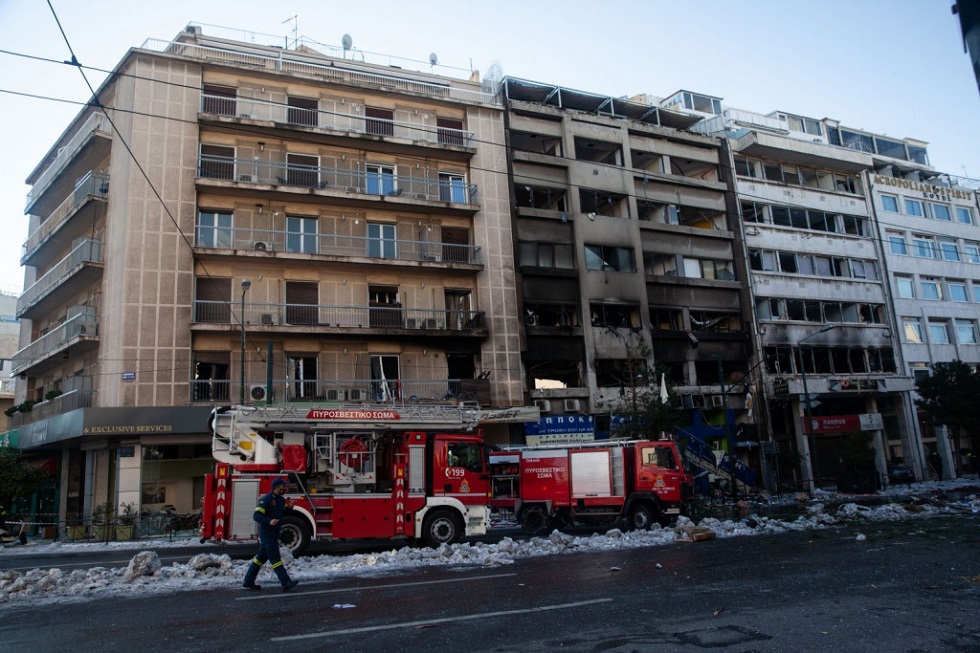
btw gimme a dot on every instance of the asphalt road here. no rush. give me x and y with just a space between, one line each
910 586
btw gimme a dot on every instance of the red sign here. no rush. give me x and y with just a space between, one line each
353 415
834 424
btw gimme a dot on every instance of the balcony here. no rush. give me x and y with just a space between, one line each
341 319
63 403
78 333
376 249
348 391
95 130
336 181
82 266
349 73
330 122
72 219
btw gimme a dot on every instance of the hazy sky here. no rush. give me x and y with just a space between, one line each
894 67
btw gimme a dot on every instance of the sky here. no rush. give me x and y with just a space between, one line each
207 571
892 67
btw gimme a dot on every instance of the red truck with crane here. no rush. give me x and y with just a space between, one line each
551 486
416 472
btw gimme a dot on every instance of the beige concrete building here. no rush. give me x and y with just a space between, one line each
250 223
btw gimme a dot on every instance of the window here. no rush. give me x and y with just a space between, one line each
939 332
211 300
302 170
940 212
301 235
914 207
614 315
897 244
923 246
948 249
386 310
301 370
912 329
773 171
450 131
889 203
452 188
381 240
213 229
931 289
217 162
302 298
966 332
905 288
957 291
599 257
976 290
546 255
380 122
745 167
219 99
380 179
964 215
302 111
971 252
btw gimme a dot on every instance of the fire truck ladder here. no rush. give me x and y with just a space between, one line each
234 441
406 417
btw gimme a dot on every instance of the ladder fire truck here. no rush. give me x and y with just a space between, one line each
552 486
361 471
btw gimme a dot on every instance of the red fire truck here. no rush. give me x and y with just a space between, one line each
551 486
357 471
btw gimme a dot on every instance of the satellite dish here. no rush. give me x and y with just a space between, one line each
347 42
433 59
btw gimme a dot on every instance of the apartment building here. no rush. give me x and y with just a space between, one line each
9 332
250 223
825 324
928 224
626 259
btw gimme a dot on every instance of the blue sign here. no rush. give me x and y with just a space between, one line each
560 429
129 376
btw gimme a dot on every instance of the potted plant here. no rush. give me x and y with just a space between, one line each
102 521
126 527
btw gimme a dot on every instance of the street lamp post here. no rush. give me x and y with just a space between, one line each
808 407
246 284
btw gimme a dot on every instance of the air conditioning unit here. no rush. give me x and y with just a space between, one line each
356 395
263 246
411 323
530 318
573 406
717 401
250 179
543 405
270 319
333 394
257 393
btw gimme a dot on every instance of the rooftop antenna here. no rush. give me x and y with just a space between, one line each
347 42
295 20
433 59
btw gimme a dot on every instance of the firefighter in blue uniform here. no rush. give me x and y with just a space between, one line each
268 514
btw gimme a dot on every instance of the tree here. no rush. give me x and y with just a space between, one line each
644 413
949 397
17 478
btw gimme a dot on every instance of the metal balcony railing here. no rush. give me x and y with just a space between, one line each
345 72
256 171
82 321
345 317
97 122
271 240
93 184
328 120
86 252
372 391
59 405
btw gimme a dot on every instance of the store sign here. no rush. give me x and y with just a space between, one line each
845 423
780 387
560 429
930 191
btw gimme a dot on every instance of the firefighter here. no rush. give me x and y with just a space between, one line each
268 514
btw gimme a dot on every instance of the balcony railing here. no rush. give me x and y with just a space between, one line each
270 240
97 122
346 72
85 253
328 120
255 171
93 184
372 391
61 404
345 317
82 321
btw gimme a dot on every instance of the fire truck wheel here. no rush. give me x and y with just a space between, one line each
442 527
641 517
534 521
294 534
